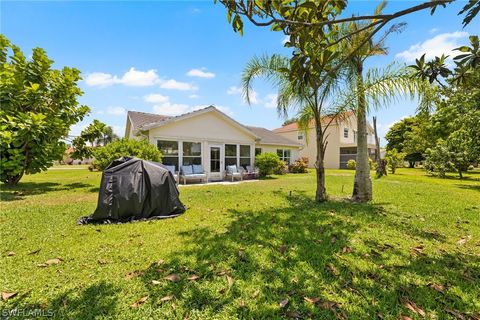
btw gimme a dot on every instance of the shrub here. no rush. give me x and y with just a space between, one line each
305 160
282 168
351 164
394 159
372 164
299 166
267 163
470 167
141 149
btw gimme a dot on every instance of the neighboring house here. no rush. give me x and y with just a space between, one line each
208 137
341 138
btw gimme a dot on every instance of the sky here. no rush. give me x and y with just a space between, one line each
172 57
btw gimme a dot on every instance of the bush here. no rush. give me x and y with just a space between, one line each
268 163
372 164
141 149
282 168
394 159
351 164
299 166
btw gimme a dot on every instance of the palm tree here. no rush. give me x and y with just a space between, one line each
359 47
295 93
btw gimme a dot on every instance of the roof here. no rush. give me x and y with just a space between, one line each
146 121
270 137
326 119
139 119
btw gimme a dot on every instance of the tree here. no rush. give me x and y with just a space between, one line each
306 97
404 135
97 133
141 149
38 106
394 159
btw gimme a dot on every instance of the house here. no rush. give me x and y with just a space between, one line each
341 139
208 137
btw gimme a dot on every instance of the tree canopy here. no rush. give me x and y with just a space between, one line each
39 104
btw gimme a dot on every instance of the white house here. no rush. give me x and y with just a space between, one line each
208 137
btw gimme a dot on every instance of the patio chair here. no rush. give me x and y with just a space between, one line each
252 172
193 172
233 172
172 170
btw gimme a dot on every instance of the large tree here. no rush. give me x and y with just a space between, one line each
38 106
304 93
96 134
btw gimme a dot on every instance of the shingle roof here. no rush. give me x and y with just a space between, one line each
139 119
270 137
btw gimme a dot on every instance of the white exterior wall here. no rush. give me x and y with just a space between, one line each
294 151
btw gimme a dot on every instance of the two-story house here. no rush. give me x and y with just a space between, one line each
341 139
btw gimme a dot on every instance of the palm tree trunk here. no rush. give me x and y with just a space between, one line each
362 187
321 194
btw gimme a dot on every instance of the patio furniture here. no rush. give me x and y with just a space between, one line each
174 173
251 172
233 172
193 172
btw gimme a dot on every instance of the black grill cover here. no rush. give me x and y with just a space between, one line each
134 189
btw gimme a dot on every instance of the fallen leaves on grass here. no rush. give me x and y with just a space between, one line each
8 295
282 249
140 301
193 277
242 304
102 261
49 262
10 254
35 251
437 287
334 239
293 314
229 281
418 250
156 282
330 267
311 300
463 240
283 303
412 306
166 298
455 313
172 277
402 317
347 250
133 274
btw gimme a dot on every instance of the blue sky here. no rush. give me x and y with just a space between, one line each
172 57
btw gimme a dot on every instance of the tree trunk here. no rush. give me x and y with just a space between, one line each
13 180
321 194
362 187
381 169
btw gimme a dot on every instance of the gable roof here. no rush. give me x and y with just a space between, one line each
139 119
325 119
270 137
146 121
196 113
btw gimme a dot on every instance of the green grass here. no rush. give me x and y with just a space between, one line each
252 245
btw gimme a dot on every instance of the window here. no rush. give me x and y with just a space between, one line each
284 155
169 150
230 154
300 136
354 136
345 132
192 153
258 151
245 158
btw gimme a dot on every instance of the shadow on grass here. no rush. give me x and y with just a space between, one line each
94 302
475 187
303 250
24 189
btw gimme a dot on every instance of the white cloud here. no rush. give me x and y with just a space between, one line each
171 109
201 73
132 78
77 128
155 98
116 111
434 30
99 79
177 85
118 130
440 44
271 100
233 90
254 97
193 96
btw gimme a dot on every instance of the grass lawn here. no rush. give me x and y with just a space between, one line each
252 251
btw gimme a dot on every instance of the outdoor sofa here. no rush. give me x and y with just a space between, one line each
193 172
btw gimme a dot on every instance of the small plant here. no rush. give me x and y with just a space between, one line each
394 159
299 166
268 163
282 168
351 164
372 164
141 149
